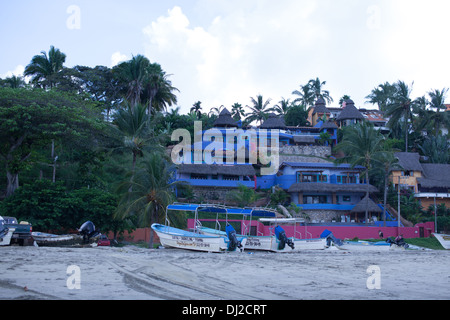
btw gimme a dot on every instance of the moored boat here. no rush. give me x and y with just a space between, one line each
444 240
182 239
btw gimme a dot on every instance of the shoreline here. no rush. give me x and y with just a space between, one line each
132 273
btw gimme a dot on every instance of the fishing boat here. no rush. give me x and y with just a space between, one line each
182 239
194 240
5 233
444 240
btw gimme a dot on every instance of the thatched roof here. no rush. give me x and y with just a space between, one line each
362 206
350 112
328 125
409 161
435 176
330 187
320 107
214 169
274 122
225 120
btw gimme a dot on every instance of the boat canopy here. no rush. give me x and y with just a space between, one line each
259 212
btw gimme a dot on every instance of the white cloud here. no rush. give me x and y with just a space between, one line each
117 58
271 47
18 71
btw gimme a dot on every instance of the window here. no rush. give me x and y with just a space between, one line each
315 199
346 198
197 176
311 177
230 177
346 179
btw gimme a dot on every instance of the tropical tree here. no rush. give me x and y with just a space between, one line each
152 191
297 115
439 116
400 107
146 83
317 87
282 107
384 162
360 144
258 109
237 111
13 82
437 149
306 95
197 109
42 67
132 122
381 95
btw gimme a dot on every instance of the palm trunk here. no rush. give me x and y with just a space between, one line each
367 195
386 182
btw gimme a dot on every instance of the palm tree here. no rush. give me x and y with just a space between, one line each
152 191
42 67
381 95
360 144
400 108
306 95
237 111
282 107
437 149
258 109
439 115
197 109
146 83
384 162
132 122
317 87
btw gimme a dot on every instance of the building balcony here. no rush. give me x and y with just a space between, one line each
218 183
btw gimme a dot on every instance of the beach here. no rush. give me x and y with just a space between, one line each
133 273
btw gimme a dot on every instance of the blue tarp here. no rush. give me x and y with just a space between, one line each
212 209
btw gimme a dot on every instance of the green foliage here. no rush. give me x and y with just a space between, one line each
48 207
243 196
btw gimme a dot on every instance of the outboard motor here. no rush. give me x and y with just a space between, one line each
331 238
400 243
284 240
87 230
234 242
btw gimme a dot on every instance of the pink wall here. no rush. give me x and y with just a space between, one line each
342 232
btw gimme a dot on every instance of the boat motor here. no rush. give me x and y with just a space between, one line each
88 231
234 242
400 242
331 238
281 236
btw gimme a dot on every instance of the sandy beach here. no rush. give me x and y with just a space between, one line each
132 273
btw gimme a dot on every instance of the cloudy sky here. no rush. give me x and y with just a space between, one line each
224 51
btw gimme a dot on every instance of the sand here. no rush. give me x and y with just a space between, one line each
131 273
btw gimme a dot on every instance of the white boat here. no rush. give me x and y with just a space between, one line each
367 246
5 238
274 243
444 240
181 239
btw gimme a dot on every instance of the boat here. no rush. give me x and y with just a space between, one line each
444 240
177 238
278 242
6 233
87 235
194 240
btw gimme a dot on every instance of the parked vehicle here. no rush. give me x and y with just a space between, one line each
103 241
22 233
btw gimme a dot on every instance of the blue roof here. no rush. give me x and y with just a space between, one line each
214 209
320 165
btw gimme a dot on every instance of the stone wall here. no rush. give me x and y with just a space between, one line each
304 153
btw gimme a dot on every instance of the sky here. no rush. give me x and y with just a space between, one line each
221 52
